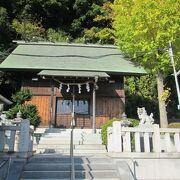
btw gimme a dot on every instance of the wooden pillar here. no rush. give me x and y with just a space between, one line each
51 104
73 109
94 109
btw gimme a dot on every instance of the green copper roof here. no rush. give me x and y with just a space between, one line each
56 56
72 73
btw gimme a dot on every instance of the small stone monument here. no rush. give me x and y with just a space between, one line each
125 122
18 119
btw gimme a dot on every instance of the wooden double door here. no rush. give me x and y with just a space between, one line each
64 110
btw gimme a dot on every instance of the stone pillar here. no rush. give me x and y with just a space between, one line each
12 141
117 134
177 142
2 139
109 139
16 145
137 142
127 142
168 142
24 136
156 139
146 142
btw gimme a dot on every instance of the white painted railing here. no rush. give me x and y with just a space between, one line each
16 138
142 139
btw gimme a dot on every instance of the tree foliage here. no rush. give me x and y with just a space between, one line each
143 29
145 25
29 111
70 17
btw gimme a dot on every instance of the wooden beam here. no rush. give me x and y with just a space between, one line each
51 104
94 109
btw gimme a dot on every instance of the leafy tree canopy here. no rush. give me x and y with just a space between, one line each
146 25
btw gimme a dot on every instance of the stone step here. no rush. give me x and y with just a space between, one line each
67 151
64 141
56 158
68 138
107 174
75 146
60 136
76 179
61 130
51 166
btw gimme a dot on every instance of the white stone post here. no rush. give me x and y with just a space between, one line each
2 140
109 139
168 142
24 136
177 142
156 139
16 146
117 142
146 142
137 142
12 140
127 143
31 141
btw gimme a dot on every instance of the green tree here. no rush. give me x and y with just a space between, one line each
4 29
34 31
29 111
145 25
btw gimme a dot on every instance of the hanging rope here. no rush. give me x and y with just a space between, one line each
71 84
63 83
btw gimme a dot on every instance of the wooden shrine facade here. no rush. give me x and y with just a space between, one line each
52 70
55 106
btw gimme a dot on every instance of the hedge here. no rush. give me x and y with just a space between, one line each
109 123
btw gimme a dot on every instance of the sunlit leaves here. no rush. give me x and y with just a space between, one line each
143 25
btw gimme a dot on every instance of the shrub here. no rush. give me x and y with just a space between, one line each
109 123
174 125
29 111
21 96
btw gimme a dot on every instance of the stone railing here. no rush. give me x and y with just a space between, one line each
141 139
16 139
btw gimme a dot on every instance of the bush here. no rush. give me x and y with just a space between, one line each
109 123
29 111
174 125
21 96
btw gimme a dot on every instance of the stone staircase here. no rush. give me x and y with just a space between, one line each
91 161
54 167
58 141
52 160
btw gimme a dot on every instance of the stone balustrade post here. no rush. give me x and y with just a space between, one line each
2 140
146 142
137 142
31 139
127 142
117 142
156 139
168 142
177 142
16 145
109 139
24 136
12 140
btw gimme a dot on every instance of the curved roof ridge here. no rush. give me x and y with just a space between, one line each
65 44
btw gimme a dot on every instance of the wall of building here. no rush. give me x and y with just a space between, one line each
110 100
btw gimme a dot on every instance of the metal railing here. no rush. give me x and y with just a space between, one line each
72 156
71 140
4 168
